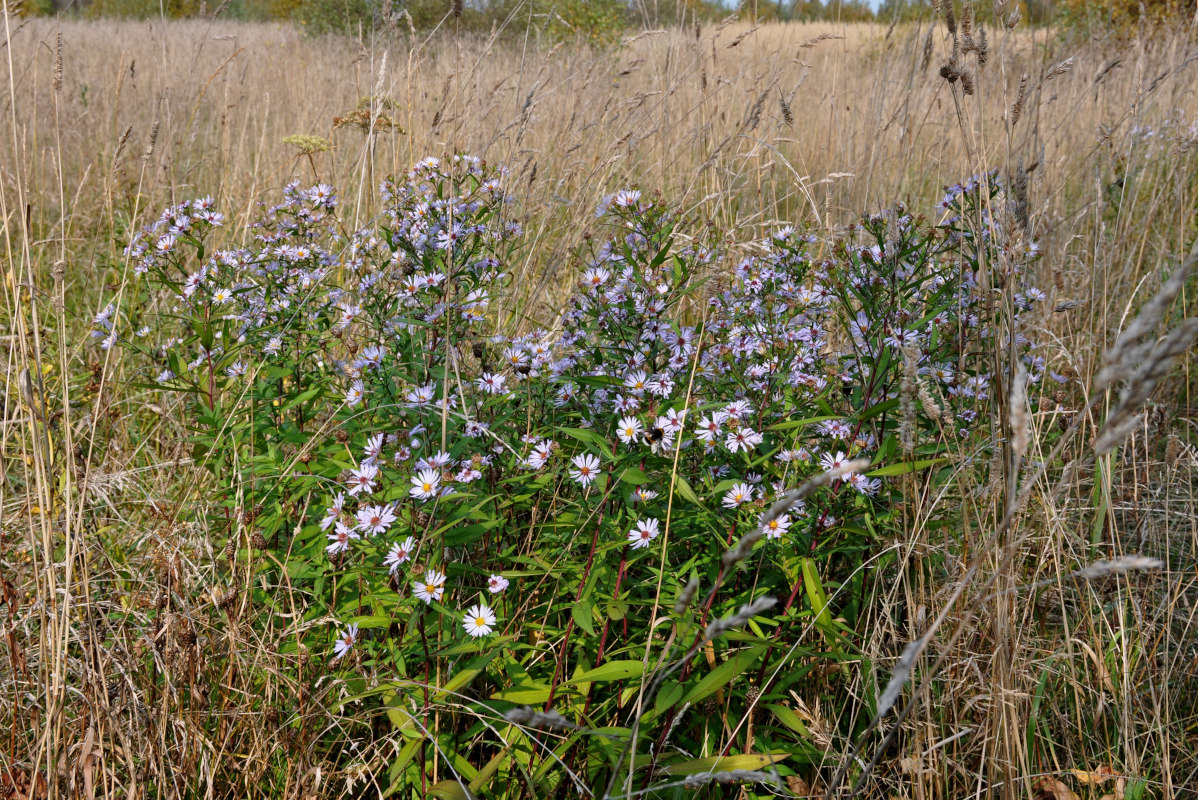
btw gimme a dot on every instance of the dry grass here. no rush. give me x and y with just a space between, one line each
741 126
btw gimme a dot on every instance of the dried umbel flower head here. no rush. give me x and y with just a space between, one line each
307 145
376 113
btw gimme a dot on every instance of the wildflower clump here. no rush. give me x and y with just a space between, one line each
502 510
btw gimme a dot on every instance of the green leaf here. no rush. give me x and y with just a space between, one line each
879 409
722 675
799 423
611 671
790 719
468 673
684 488
449 790
905 467
635 476
746 761
581 611
525 695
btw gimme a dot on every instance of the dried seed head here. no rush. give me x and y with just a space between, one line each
457 8
547 720
149 151
907 396
788 117
58 64
1017 107
687 596
258 541
1059 68
1021 427
1019 201
120 147
966 81
1172 449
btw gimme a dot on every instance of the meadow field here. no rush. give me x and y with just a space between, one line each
736 411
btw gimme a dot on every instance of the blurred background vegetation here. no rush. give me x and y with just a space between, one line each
605 21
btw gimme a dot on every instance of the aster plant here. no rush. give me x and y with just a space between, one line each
593 519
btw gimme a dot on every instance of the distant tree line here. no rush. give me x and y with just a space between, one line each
605 21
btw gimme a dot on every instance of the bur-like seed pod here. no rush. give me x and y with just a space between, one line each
966 81
1172 449
458 6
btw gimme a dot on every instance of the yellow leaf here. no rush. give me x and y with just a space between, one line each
1095 778
748 761
1048 788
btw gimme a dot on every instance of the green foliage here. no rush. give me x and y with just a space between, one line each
1089 18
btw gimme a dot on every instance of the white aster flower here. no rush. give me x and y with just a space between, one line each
629 430
346 641
431 586
479 620
399 553
739 494
425 484
586 469
646 531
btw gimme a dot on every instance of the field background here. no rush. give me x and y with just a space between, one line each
106 121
